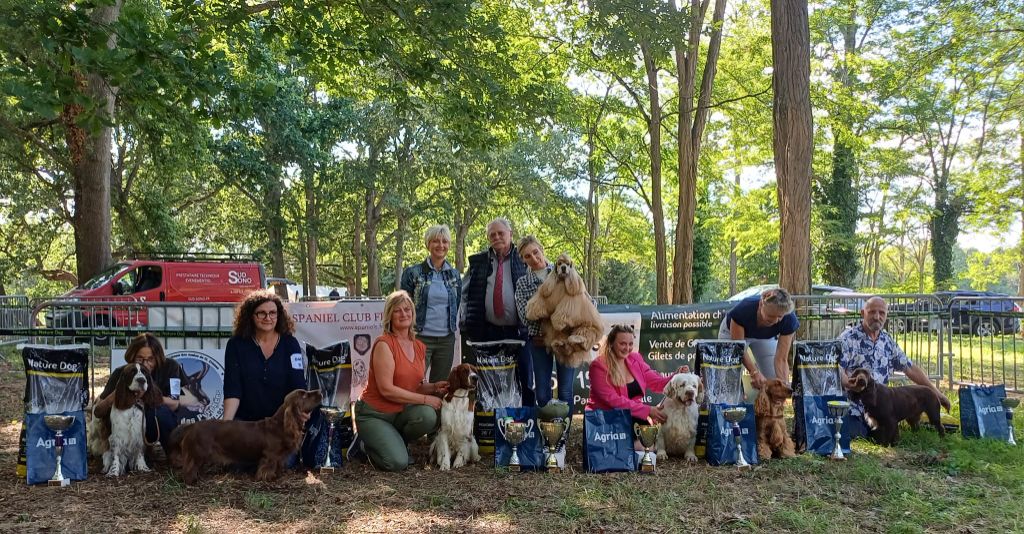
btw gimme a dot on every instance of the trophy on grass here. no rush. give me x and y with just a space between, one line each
515 433
648 436
1009 404
838 409
333 415
734 415
58 423
553 426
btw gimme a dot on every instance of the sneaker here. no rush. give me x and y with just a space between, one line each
356 453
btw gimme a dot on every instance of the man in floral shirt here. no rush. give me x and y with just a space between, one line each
868 346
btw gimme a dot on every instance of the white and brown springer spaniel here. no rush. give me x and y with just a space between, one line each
122 438
678 435
454 446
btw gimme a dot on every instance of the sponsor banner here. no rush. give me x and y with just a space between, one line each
201 388
665 335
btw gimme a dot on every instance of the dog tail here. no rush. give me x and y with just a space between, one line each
944 402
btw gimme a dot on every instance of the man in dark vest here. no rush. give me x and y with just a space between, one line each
488 291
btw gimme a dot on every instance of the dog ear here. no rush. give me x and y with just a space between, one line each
574 283
670 388
762 405
700 391
292 417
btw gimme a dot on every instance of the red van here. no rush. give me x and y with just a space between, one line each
175 278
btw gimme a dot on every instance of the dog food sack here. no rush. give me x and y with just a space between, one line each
721 445
981 412
816 381
331 369
531 450
56 382
719 364
496 385
608 441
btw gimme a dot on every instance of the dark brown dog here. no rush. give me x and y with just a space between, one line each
885 407
215 442
771 426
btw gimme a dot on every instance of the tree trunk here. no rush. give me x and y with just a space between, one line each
461 231
312 231
657 207
274 223
943 226
839 253
793 139
357 255
1020 200
370 240
403 229
593 215
690 131
732 251
90 161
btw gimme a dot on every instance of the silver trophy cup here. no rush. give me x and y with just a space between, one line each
734 415
332 415
58 423
1009 404
838 409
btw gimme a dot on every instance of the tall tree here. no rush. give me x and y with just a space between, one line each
691 120
793 139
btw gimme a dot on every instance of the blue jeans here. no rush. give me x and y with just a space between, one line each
542 362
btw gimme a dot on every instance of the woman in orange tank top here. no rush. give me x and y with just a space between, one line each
397 406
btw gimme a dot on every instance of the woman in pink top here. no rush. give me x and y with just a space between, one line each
619 377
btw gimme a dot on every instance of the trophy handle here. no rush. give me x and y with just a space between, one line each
529 426
501 427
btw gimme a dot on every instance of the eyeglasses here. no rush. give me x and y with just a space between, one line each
261 315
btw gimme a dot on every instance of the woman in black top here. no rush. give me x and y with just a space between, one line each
167 375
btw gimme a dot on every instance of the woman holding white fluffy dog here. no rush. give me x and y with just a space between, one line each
533 254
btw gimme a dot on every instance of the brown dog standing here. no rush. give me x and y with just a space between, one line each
885 407
772 436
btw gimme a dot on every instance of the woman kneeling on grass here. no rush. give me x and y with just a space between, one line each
397 406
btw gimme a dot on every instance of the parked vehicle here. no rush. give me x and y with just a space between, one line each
982 313
161 278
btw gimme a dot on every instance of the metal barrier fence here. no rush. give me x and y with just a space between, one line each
110 325
15 314
984 334
827 316
962 339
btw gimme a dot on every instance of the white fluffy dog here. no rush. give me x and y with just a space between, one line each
683 395
568 317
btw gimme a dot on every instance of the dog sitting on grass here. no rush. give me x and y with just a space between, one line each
885 407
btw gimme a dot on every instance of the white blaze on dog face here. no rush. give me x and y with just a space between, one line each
139 382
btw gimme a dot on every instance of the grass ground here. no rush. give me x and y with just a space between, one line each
923 485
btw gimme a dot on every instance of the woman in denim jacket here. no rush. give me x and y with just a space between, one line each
436 290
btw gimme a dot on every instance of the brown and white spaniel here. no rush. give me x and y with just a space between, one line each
268 443
772 436
121 436
454 445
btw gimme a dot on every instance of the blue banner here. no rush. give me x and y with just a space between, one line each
608 441
721 447
41 453
981 412
531 450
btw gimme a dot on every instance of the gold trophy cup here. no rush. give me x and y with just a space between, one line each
648 436
552 432
514 433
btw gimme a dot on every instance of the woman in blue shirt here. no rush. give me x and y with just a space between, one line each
436 291
263 361
767 323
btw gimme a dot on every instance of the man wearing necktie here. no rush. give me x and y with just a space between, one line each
488 291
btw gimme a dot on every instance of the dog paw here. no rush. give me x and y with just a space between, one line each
662 456
576 340
558 343
691 457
